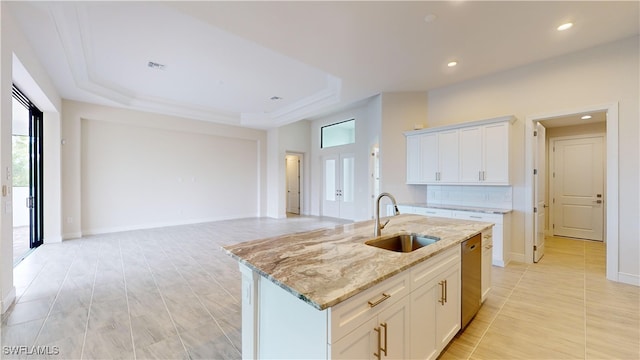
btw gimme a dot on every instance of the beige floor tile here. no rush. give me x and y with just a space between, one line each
163 292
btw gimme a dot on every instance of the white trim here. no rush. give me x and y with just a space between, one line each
52 239
115 229
8 300
69 236
630 279
517 257
612 174
552 184
509 118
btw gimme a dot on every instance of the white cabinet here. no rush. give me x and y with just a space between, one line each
487 245
384 336
413 314
435 299
484 154
432 158
444 213
501 250
495 153
471 153
440 157
501 234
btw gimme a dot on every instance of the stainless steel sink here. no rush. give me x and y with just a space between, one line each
403 242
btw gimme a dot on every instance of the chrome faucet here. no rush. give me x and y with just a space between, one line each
378 229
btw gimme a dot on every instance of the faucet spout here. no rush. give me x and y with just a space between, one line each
378 226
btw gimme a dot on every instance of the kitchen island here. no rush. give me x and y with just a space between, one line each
306 295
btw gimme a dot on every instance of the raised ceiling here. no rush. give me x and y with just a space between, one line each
225 61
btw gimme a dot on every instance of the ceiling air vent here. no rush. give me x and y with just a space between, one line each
155 65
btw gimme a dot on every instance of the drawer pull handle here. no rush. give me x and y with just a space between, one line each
384 297
475 217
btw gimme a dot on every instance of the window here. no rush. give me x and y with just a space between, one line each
342 133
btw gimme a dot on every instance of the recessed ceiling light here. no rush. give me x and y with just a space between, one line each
452 63
565 26
274 98
429 18
586 117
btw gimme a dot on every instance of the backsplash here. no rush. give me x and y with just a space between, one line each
500 197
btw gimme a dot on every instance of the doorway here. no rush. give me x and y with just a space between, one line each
577 187
293 169
26 176
607 117
338 198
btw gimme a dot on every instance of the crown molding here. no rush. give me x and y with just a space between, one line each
73 28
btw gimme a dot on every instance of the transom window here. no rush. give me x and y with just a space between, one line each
342 133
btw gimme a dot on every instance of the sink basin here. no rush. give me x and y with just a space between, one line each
403 242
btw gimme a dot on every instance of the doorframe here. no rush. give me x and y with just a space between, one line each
552 188
611 222
301 181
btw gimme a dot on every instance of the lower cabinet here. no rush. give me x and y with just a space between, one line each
412 315
386 336
487 249
436 302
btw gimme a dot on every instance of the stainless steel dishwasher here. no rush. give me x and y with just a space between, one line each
471 293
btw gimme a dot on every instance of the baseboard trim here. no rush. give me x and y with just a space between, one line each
517 257
630 279
53 240
8 300
70 236
108 230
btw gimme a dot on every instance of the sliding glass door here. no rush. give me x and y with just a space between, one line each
27 175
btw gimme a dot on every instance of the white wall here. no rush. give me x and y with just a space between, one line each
294 138
19 64
366 120
399 112
127 169
600 75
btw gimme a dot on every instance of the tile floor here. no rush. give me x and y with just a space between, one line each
561 308
172 293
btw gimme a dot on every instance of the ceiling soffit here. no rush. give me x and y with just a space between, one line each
304 90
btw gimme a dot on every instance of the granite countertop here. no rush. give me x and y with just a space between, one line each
327 266
461 208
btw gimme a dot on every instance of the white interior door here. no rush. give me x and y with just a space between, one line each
338 198
578 200
540 193
293 184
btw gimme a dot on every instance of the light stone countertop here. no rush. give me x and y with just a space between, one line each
327 266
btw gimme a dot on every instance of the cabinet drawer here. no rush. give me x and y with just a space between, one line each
349 314
432 212
426 271
476 216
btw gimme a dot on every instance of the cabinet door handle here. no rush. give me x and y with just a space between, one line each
484 176
384 325
384 297
479 175
441 300
378 355
445 291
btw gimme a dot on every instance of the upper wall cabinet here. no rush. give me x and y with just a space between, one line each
471 153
